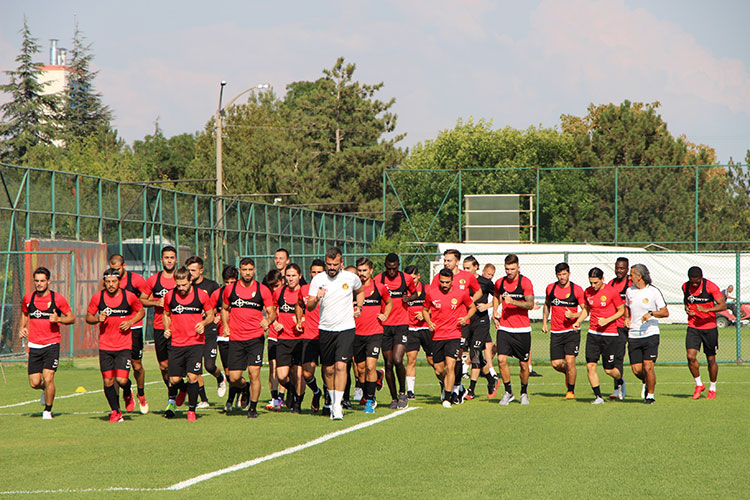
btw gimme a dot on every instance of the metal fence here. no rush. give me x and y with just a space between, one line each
63 210
430 206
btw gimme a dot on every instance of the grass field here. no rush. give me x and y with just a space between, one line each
677 448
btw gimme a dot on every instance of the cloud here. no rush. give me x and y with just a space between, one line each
605 44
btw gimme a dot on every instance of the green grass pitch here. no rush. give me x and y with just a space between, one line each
677 448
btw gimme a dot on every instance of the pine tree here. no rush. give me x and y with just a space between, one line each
29 116
83 112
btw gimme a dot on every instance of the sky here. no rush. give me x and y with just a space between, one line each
515 63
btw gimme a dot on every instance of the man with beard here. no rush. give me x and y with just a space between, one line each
333 291
43 313
157 287
115 310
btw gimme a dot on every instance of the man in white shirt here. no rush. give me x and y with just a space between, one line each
644 304
333 291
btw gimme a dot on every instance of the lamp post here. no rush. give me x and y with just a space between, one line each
220 169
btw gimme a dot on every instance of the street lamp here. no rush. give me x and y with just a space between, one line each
219 167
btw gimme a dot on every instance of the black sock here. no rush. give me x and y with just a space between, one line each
472 385
126 388
524 388
182 385
370 390
275 394
620 381
347 389
166 382
141 391
111 394
253 406
202 393
359 385
458 372
233 391
572 387
173 390
287 385
192 390
219 378
298 399
597 391
47 407
313 384
489 377
508 388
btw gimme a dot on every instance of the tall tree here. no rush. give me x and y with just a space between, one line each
83 112
156 157
29 116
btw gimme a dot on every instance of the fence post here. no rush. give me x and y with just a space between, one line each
738 302
52 205
536 233
696 212
617 203
72 328
460 206
119 220
99 195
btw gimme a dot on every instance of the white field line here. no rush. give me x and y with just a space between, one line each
74 395
234 468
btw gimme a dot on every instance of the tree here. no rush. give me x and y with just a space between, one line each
324 141
83 113
157 158
29 116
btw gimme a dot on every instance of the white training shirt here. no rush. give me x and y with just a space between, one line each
640 301
336 306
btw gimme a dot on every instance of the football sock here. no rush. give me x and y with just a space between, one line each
410 382
141 391
508 388
111 394
313 384
524 388
572 387
370 390
698 381
472 385
47 407
202 393
597 391
192 390
126 388
712 387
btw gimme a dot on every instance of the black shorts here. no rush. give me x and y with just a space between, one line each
709 338
609 348
442 349
480 332
646 348
114 363
44 358
272 346
210 350
244 353
185 359
310 351
161 345
517 345
394 335
465 336
336 346
136 351
564 344
289 352
419 338
223 346
367 346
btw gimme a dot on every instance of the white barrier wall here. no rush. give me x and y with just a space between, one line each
668 270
